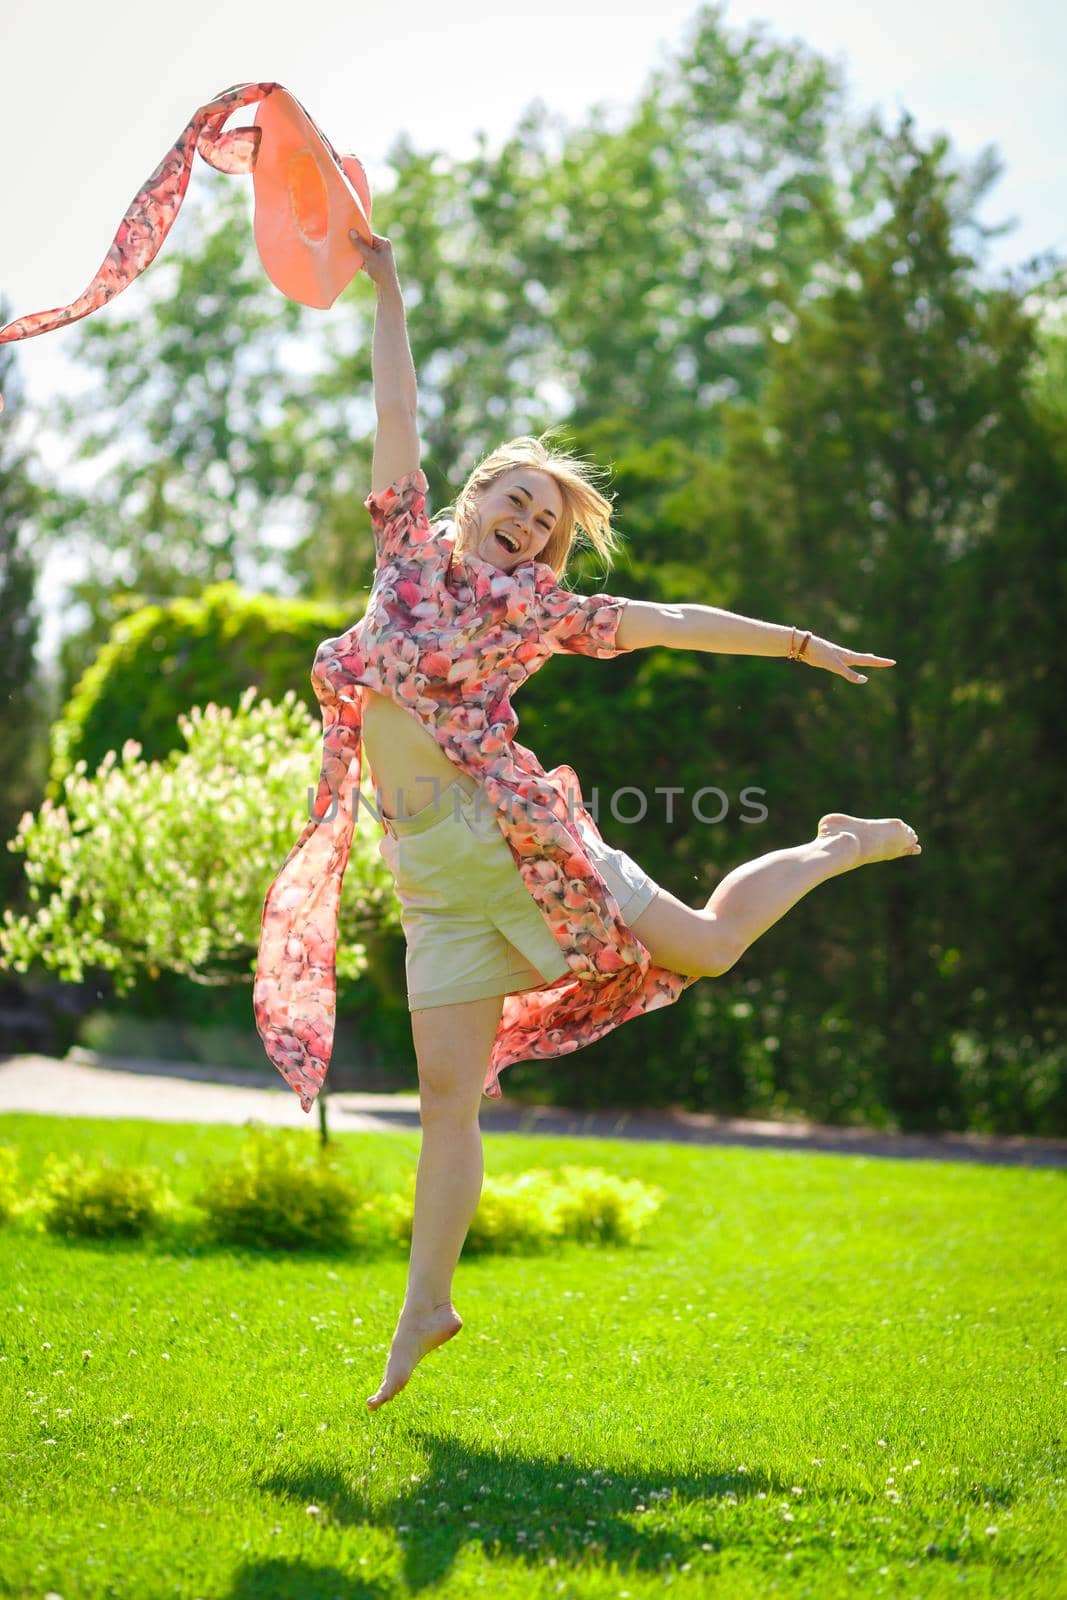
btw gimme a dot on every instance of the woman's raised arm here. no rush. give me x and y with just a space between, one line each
396 395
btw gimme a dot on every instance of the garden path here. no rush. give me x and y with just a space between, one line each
86 1084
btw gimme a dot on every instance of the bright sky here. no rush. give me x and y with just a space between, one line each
94 96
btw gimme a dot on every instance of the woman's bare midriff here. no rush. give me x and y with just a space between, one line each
408 767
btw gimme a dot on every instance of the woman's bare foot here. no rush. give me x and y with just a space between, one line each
416 1333
882 839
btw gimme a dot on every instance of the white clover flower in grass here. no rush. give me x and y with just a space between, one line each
163 865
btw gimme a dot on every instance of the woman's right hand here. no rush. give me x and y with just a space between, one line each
378 260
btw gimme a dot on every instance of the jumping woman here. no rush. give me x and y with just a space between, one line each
527 936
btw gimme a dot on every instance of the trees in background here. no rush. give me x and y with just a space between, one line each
897 488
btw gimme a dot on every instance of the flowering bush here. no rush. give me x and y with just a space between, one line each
164 865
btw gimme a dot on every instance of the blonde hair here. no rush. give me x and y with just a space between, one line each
586 514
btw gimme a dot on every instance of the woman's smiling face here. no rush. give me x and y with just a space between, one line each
516 516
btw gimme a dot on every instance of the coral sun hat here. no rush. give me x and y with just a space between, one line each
307 198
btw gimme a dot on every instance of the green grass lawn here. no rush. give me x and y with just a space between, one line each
816 1375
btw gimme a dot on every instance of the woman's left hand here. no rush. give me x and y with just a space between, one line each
377 255
835 658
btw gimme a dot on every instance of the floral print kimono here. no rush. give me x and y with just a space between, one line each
450 637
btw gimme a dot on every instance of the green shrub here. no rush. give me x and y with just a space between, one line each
515 1214
149 867
599 1208
518 1213
196 648
525 1212
374 1227
102 1201
284 1193
9 1182
396 1211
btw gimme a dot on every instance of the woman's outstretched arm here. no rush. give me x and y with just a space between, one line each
697 627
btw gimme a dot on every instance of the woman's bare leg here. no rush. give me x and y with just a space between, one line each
755 895
453 1045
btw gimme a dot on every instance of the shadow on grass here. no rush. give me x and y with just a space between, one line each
559 1513
544 1512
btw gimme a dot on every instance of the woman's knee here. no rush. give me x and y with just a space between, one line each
685 939
446 1090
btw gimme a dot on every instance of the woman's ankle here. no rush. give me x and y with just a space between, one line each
842 849
420 1305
